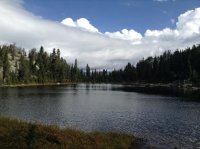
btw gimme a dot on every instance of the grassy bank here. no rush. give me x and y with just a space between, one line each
15 134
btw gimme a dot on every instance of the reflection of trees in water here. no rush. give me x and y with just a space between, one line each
74 88
187 93
87 87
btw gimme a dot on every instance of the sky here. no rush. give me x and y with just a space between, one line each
114 15
103 33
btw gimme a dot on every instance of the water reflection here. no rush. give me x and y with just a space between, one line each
163 120
189 94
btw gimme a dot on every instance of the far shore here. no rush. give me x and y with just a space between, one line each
35 84
169 85
135 84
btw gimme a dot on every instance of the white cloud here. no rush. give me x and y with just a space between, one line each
161 33
187 26
69 22
189 23
82 23
79 39
125 34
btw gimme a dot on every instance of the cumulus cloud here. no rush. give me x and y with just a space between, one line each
80 39
69 22
82 23
189 23
125 34
187 26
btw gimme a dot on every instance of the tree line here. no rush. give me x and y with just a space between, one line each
16 66
38 66
181 65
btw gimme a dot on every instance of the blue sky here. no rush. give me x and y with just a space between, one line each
114 15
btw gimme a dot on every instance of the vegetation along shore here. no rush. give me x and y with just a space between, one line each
22 135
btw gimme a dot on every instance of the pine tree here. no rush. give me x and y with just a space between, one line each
6 67
87 72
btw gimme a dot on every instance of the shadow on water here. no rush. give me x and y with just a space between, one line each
187 93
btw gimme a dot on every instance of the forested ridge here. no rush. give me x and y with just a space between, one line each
16 66
38 66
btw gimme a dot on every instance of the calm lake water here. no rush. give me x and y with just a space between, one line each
164 121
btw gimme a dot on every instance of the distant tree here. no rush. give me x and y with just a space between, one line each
6 67
58 53
130 74
87 72
24 73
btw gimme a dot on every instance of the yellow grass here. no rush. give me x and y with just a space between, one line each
15 134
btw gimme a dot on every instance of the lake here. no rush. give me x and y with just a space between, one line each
164 121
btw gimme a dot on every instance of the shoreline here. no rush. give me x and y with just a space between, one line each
35 84
169 85
168 89
137 84
15 133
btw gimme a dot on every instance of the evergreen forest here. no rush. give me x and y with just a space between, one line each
38 66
